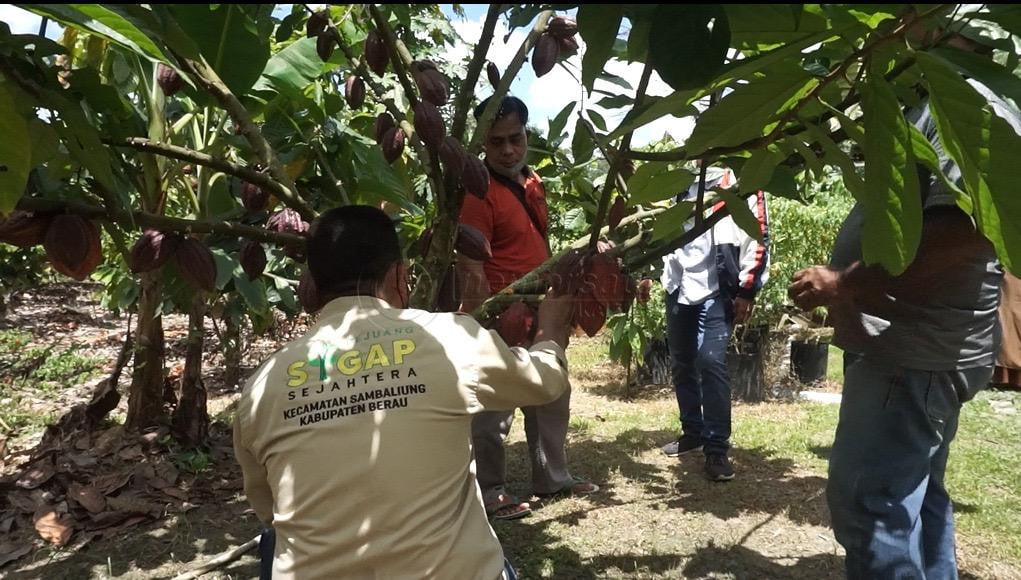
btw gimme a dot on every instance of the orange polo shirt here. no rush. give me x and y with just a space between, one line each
518 245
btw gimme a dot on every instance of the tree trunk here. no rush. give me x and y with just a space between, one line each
191 419
231 350
145 399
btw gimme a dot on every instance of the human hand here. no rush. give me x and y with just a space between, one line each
815 286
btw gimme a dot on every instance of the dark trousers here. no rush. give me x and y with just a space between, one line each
267 545
697 336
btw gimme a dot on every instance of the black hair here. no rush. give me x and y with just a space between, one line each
508 105
350 250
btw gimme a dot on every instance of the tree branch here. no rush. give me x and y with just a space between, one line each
462 103
135 219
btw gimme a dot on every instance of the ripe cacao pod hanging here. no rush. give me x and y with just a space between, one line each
493 73
617 212
168 79
153 250
544 54
432 84
325 43
24 228
375 53
516 325
567 274
589 314
453 155
393 144
354 91
287 221
429 125
568 48
73 246
384 122
562 27
317 23
196 263
475 177
253 197
308 294
472 243
253 258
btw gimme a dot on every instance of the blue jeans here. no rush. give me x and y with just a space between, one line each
888 503
697 337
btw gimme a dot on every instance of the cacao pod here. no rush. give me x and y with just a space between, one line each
196 264
354 91
453 155
73 246
644 293
544 54
325 43
253 197
384 122
617 212
168 79
375 53
605 280
287 221
493 73
393 144
568 48
449 297
589 314
432 84
308 294
317 23
253 258
567 274
562 27
153 250
429 125
472 243
516 325
475 177
24 228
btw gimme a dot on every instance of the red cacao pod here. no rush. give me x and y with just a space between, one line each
384 122
325 43
544 54
168 79
562 27
73 246
432 84
516 325
253 259
475 177
153 250
354 91
493 73
453 155
472 243
24 228
375 53
317 23
617 212
196 264
393 144
253 197
429 125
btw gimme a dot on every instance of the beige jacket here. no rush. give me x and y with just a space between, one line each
355 441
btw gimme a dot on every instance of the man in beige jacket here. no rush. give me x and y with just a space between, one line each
355 439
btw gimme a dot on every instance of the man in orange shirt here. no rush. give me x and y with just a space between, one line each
514 219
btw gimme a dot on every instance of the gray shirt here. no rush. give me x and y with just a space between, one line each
956 326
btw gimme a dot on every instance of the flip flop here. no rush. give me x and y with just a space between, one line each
508 508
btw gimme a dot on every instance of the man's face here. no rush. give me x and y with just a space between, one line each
506 144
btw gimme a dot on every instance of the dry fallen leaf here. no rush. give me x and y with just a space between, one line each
52 527
8 553
37 475
89 497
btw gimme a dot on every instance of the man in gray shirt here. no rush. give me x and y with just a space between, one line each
918 346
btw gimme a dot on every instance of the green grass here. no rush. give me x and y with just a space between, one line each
835 365
31 373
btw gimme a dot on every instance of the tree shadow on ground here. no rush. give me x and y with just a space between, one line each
742 562
617 390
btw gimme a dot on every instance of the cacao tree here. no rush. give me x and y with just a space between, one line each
187 147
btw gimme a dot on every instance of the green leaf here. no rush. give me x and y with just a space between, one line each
105 21
616 102
616 80
671 222
742 214
638 39
557 124
984 145
981 68
746 67
655 182
228 40
598 26
758 170
225 267
374 176
44 141
747 112
808 155
677 104
926 154
783 183
83 143
15 156
582 145
292 70
253 292
891 200
852 181
756 25
685 52
597 120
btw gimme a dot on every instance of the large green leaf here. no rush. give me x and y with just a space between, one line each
742 214
375 177
985 146
746 67
15 154
106 21
748 112
557 124
582 145
753 25
253 292
292 69
891 200
598 25
677 104
83 143
655 182
229 41
835 156
688 43
671 222
926 155
999 79
758 170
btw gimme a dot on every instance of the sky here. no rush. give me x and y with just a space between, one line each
544 96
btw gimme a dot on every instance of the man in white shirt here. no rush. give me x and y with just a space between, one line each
711 285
